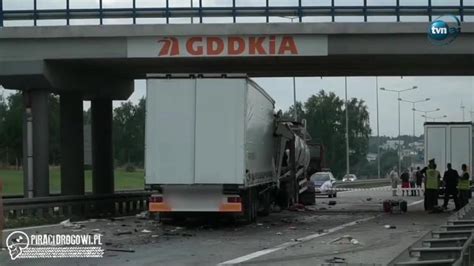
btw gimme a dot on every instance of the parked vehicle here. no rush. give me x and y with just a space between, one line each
216 145
349 178
449 142
323 184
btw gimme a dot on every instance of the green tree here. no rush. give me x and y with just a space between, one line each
129 133
325 116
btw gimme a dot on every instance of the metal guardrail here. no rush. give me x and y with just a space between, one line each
121 203
452 244
267 10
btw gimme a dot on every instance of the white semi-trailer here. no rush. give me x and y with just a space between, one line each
213 145
449 142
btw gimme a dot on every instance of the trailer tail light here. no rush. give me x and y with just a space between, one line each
232 204
236 199
156 198
157 204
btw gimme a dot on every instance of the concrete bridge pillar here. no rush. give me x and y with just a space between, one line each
72 144
102 151
36 143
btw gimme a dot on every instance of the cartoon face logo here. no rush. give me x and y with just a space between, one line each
16 243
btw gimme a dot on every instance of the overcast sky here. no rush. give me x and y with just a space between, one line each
446 93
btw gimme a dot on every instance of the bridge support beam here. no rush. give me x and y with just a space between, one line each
72 144
102 150
36 143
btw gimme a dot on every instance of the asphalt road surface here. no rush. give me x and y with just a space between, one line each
305 237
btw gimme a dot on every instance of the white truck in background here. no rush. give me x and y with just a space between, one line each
215 145
449 142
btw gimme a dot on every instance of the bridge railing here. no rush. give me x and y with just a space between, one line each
197 11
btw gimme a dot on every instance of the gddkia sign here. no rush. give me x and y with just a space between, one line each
228 46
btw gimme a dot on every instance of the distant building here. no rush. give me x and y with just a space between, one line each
417 146
371 157
392 144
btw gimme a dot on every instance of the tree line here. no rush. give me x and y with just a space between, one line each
324 113
128 131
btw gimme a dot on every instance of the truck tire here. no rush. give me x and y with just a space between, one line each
283 199
265 203
250 205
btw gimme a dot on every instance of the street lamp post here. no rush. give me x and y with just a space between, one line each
426 112
378 131
347 128
399 129
413 103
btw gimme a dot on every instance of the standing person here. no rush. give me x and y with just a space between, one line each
419 180
394 180
412 182
431 185
405 182
450 179
464 187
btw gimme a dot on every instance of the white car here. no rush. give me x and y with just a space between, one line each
349 178
323 184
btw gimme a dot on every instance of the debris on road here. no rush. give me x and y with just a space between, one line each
336 260
355 241
123 233
297 207
279 233
387 226
332 202
67 224
346 239
368 199
143 215
145 231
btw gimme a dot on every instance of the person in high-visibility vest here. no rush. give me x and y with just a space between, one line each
431 186
464 186
1 214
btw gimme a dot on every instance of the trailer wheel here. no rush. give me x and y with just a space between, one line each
250 205
265 201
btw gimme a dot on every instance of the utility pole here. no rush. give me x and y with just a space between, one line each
378 128
347 129
399 131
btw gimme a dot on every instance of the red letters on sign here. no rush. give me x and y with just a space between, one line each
215 46
236 45
256 45
288 44
192 49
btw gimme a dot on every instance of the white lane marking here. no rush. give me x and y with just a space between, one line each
416 202
292 243
299 240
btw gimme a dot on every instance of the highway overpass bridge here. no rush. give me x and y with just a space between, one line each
99 63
